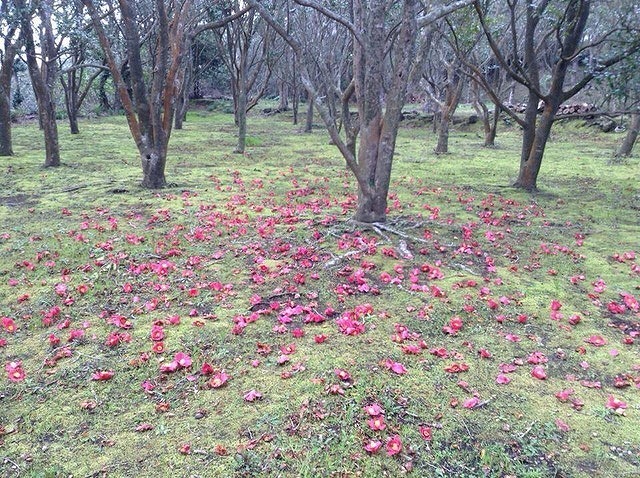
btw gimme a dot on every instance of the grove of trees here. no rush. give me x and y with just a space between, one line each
357 63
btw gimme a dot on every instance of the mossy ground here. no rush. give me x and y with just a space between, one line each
238 232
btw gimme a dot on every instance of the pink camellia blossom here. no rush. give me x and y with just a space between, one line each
536 358
563 395
372 446
555 305
252 395
562 426
539 373
101 375
377 423
169 367
148 385
615 404
183 359
373 410
218 379
343 374
319 338
9 325
15 371
206 369
425 432
394 445
616 308
395 367
471 403
157 333
596 340
502 379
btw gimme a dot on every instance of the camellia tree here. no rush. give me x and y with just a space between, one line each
41 63
383 42
157 34
8 50
149 103
558 35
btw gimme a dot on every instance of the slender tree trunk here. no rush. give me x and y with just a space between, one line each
6 72
46 106
103 98
490 136
447 110
283 92
182 99
625 149
442 145
71 101
489 122
308 125
241 118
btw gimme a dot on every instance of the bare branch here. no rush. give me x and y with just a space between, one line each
333 15
443 11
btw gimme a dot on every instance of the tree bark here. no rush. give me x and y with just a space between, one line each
6 72
308 124
42 90
532 156
448 108
241 114
626 147
71 101
153 166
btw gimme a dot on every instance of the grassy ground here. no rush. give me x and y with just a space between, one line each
239 265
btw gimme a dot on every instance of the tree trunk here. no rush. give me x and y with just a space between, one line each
153 165
71 102
372 206
308 125
448 108
283 92
182 99
6 71
442 146
625 149
490 136
103 98
532 157
46 106
489 122
241 118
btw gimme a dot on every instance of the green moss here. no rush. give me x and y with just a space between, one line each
89 223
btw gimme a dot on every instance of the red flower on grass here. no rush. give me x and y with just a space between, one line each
373 410
395 367
15 372
539 373
102 375
615 404
372 446
218 380
252 395
377 423
394 445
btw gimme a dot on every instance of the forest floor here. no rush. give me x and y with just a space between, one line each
238 323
